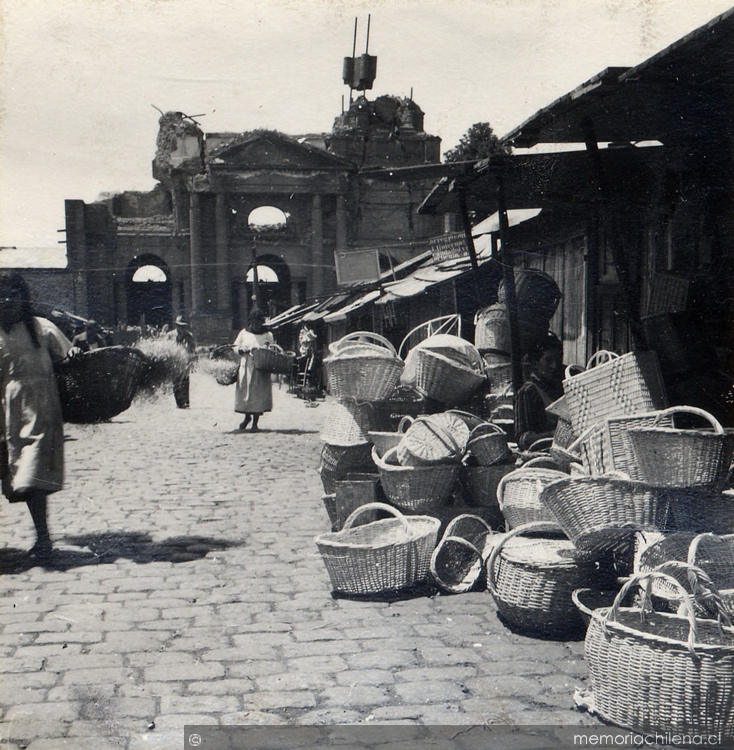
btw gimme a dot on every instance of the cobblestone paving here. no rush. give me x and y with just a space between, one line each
187 589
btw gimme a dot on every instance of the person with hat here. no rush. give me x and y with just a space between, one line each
254 389
185 339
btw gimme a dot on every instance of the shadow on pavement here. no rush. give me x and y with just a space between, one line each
265 430
410 592
105 548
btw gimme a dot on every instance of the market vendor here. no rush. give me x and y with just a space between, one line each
543 386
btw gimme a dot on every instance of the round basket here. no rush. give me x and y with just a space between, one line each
653 672
457 562
441 378
670 457
347 423
99 384
532 580
415 488
378 557
432 439
518 495
598 513
700 510
363 366
488 444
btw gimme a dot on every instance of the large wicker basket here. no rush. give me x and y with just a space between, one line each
363 366
518 495
272 359
442 379
664 674
532 580
620 386
338 461
701 510
415 488
599 513
347 423
99 384
224 364
670 457
379 557
488 444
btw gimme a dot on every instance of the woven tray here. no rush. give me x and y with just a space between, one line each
378 557
654 672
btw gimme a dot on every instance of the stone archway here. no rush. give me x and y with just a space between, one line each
274 281
148 291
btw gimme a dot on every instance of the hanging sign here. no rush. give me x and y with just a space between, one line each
355 266
448 246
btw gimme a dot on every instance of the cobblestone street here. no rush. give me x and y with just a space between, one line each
186 588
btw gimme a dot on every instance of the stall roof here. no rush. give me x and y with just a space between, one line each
289 315
361 301
669 95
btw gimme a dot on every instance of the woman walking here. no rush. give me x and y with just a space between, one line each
254 389
32 425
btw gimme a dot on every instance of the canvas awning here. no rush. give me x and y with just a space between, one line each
361 301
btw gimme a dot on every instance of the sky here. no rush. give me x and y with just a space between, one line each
80 79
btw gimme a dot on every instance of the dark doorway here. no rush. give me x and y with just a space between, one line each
148 289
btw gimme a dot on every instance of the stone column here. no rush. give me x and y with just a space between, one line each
317 247
224 302
197 289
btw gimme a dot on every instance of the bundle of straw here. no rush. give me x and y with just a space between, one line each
168 362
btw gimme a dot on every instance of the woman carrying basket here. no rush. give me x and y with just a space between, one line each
254 389
32 424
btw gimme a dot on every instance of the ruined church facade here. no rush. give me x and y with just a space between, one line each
194 228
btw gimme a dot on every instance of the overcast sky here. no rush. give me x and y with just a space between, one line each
79 78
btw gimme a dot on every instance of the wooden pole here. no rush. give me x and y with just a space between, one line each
255 280
466 224
508 276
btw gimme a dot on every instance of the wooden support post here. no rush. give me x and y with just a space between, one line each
508 276
466 224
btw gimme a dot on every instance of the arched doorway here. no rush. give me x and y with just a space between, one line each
274 282
148 291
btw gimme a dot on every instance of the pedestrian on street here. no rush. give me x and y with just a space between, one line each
185 338
32 434
254 389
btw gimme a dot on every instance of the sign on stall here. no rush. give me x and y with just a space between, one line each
355 266
448 246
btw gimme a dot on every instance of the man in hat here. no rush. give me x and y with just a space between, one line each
184 338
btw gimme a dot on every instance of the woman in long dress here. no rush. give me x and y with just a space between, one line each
254 389
32 423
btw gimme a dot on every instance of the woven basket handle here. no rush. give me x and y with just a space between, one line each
690 410
543 444
572 370
376 506
703 588
645 578
405 423
601 357
486 428
362 337
695 543
525 528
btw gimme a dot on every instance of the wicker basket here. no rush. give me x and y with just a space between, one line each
347 423
518 495
415 488
272 359
432 439
99 384
701 510
488 444
713 554
329 502
382 556
457 563
338 461
532 580
363 366
599 513
621 386
441 378
669 457
665 673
